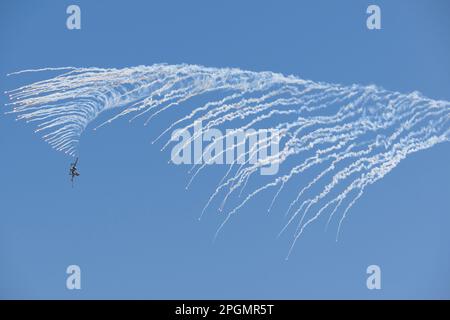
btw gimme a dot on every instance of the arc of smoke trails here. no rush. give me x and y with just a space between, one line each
348 137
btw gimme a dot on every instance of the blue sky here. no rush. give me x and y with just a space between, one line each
130 224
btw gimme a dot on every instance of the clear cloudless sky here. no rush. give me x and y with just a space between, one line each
130 224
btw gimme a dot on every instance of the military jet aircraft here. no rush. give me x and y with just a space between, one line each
73 170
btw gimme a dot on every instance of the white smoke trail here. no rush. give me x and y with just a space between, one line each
347 137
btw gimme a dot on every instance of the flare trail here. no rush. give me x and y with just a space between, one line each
334 140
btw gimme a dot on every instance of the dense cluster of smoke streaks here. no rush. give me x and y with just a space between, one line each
347 136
